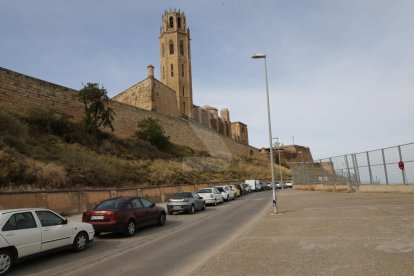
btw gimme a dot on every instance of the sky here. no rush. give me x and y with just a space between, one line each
340 73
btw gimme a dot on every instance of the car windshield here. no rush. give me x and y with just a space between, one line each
204 191
221 189
181 195
111 204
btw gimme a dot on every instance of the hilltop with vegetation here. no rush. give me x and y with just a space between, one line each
43 150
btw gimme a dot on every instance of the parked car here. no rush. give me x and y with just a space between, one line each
226 192
26 232
289 184
281 185
124 215
247 188
186 201
236 190
242 189
211 195
264 186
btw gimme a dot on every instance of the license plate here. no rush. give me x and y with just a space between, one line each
177 207
97 217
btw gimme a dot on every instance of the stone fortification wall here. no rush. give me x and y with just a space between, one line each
152 95
19 92
138 95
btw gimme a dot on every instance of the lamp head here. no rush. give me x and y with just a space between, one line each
258 55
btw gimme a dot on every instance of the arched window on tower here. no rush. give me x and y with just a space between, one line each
163 72
181 47
182 70
162 49
179 22
171 47
183 91
172 70
171 22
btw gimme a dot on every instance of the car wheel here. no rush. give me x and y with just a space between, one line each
161 219
6 261
130 230
192 210
80 242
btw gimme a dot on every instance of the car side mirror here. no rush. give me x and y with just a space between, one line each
152 205
65 221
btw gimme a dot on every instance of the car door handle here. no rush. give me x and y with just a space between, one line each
10 234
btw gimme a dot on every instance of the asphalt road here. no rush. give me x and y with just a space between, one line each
180 247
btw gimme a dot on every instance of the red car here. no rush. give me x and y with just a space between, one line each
124 214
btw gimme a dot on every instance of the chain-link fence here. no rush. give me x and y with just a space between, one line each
380 166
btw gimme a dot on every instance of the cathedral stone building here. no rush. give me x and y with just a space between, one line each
173 94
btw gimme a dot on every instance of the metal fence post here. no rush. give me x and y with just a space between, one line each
385 166
369 168
358 177
403 170
347 168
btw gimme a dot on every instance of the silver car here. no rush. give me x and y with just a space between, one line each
185 201
211 195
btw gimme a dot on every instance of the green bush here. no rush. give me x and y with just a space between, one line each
150 130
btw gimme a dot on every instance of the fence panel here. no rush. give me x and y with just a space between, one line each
379 166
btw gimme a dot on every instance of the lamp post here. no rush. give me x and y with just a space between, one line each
263 56
303 169
280 162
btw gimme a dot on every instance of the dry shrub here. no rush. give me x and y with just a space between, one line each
85 167
48 175
9 125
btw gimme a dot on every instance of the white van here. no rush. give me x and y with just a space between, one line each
254 184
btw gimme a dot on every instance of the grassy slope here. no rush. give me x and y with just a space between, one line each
42 151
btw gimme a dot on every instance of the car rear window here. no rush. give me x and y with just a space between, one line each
203 191
220 189
111 204
182 195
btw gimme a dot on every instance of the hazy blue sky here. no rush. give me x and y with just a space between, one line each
341 73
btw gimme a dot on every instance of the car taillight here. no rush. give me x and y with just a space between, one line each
112 216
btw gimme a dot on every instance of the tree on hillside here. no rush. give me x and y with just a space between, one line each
97 110
150 130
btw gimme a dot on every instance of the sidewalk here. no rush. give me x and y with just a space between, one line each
325 233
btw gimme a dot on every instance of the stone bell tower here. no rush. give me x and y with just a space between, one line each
176 59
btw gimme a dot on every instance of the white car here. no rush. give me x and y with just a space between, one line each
289 184
25 232
211 195
226 192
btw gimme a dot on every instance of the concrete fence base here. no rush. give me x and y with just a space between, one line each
365 188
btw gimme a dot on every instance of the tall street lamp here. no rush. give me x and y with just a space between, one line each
280 163
263 56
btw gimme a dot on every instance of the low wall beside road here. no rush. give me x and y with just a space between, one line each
78 201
